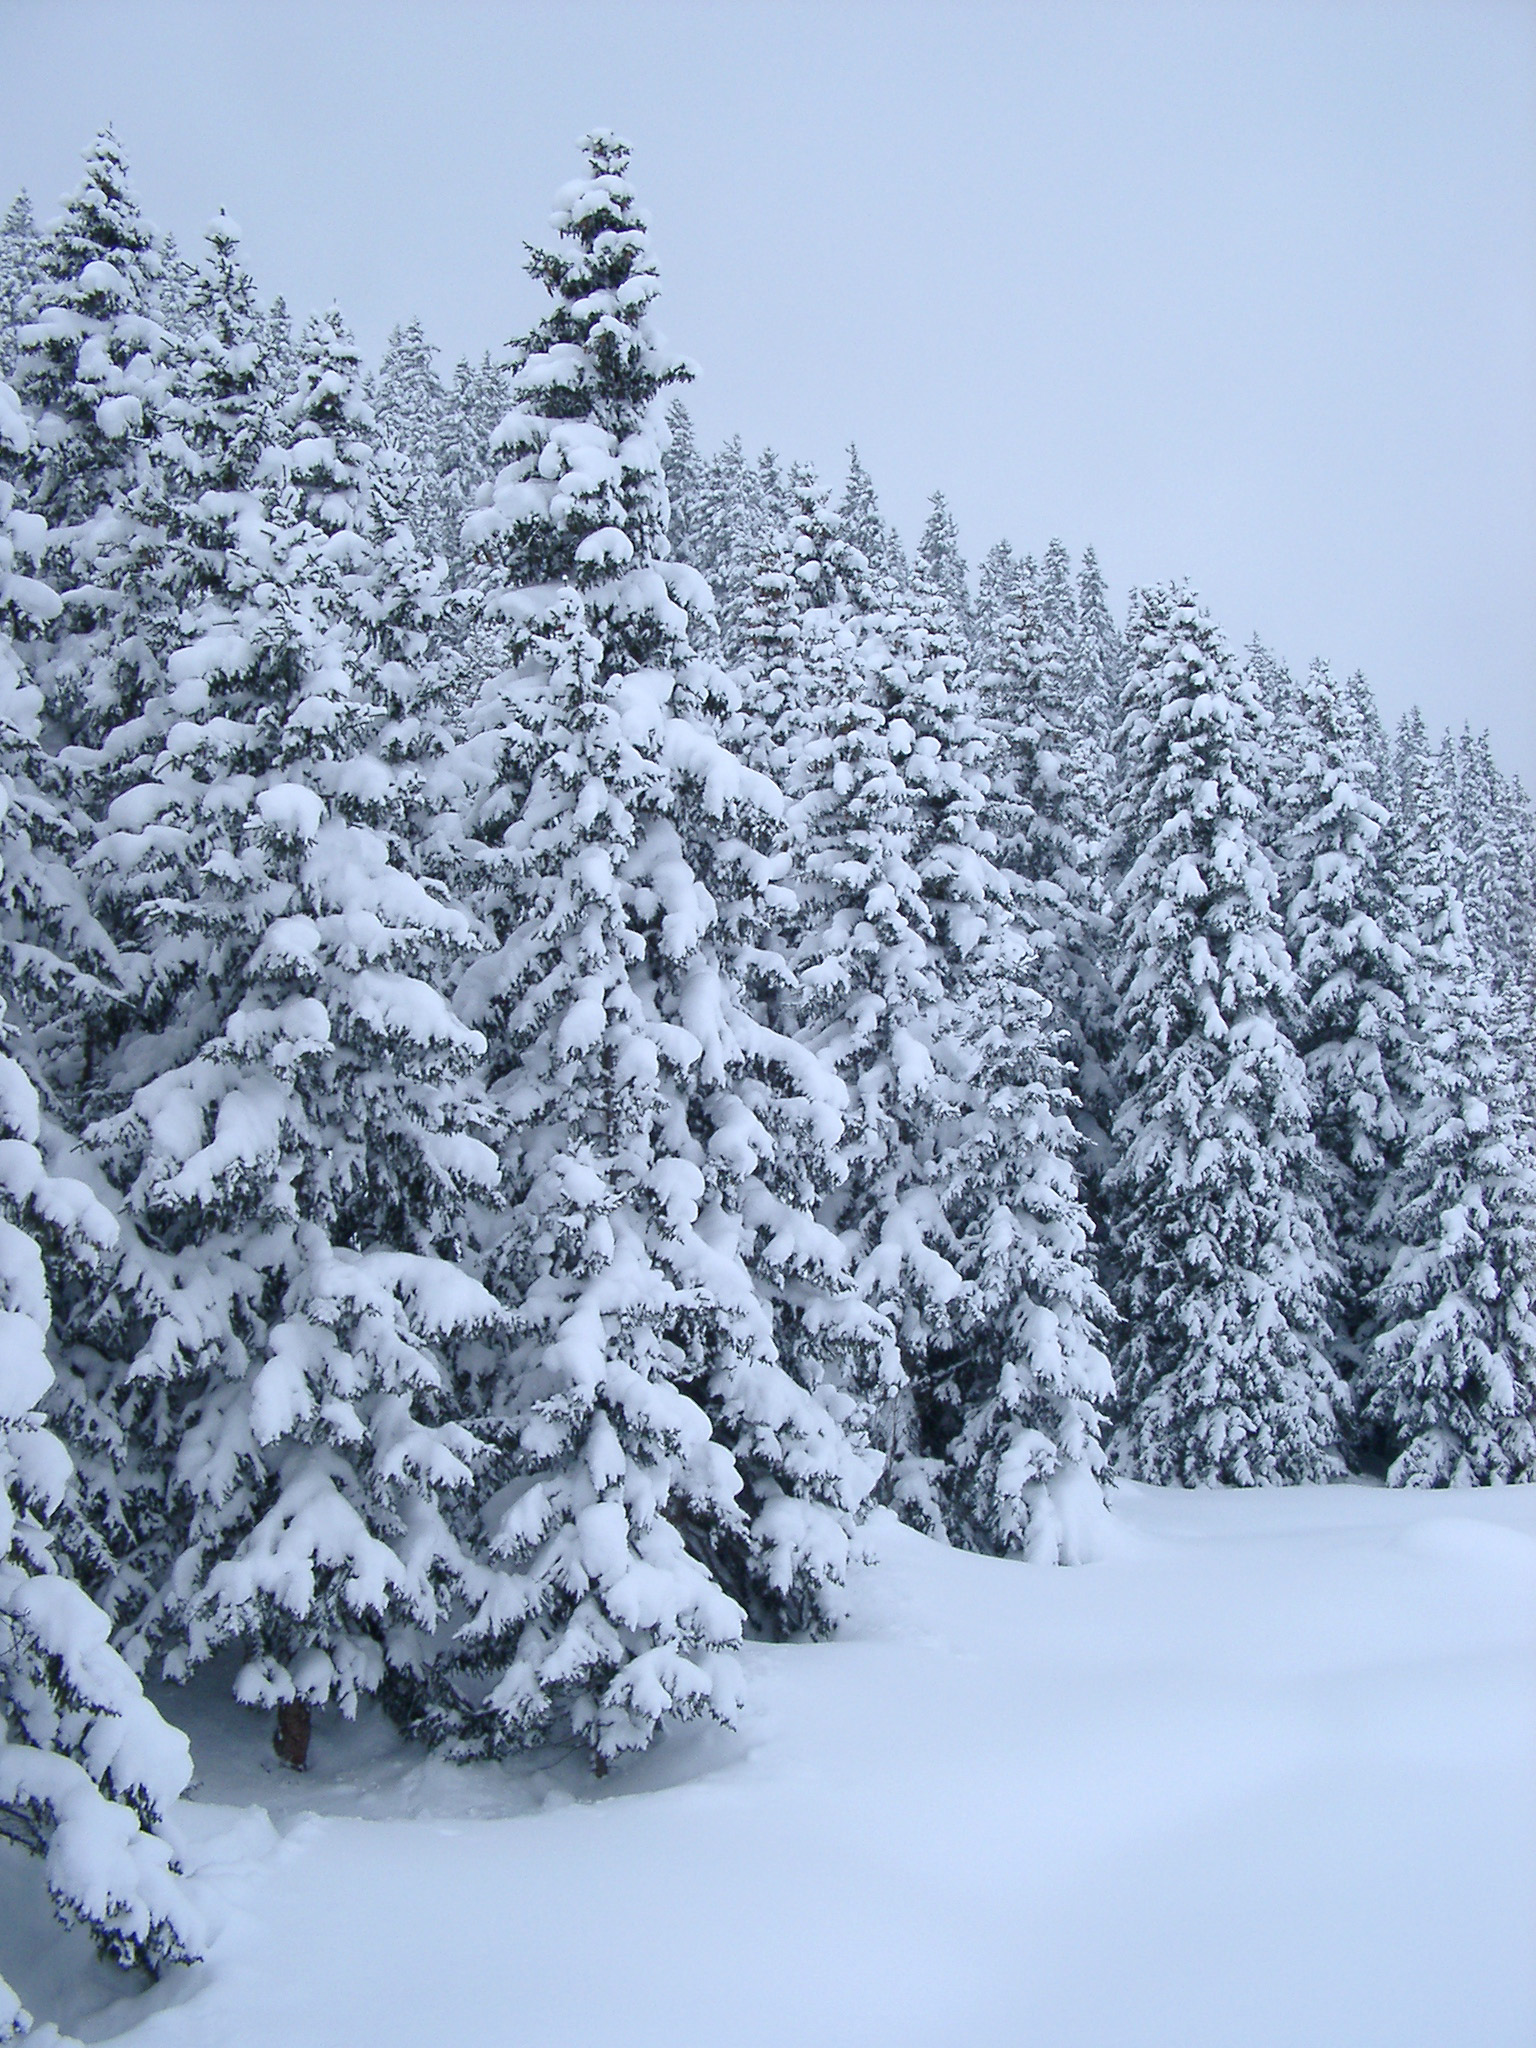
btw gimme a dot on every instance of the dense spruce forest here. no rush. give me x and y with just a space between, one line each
575 1017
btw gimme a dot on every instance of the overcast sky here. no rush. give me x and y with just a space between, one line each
1241 293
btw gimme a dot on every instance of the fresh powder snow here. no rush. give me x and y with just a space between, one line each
1263 1773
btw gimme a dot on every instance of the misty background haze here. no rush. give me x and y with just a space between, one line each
1240 293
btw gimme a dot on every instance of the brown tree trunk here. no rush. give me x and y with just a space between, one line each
292 1738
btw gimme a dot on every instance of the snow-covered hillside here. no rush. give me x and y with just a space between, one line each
1263 1774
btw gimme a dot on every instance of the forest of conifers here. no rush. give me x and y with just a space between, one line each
574 1019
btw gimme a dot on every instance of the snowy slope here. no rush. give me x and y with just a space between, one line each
1264 1775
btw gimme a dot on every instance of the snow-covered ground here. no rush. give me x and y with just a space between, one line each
1265 1775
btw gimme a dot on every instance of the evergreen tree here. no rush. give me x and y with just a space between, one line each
1273 683
1448 1387
956 1191
939 559
278 350
683 466
1493 833
1222 1259
1352 942
731 521
871 998
293 1127
93 371
1378 747
1050 811
774 490
1058 609
1028 1382
411 407
1508 957
651 1219
19 246
62 970
87 1767
476 405
91 367
1099 664
772 632
177 286
175 529
999 586
863 523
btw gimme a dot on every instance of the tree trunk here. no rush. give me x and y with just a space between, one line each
292 1738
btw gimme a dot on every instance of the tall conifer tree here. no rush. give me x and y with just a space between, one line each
939 559
1448 1387
87 1767
662 1457
19 249
411 408
292 1127
1222 1257
1352 942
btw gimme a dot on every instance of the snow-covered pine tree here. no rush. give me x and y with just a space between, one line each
277 350
294 1126
476 405
1222 1260
1507 955
1020 1377
996 601
939 559
731 521
411 408
1058 608
1493 833
864 525
859 510
957 1195
1374 737
178 284
896 569
1272 681
1410 746
63 974
651 1212
869 997
19 249
811 588
683 466
62 971
1050 812
837 1343
157 547
775 490
772 664
91 354
1276 690
808 580
1028 1383
1352 944
1447 1389
93 368
1099 660
87 1767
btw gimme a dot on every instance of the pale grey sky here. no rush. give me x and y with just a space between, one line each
1245 293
